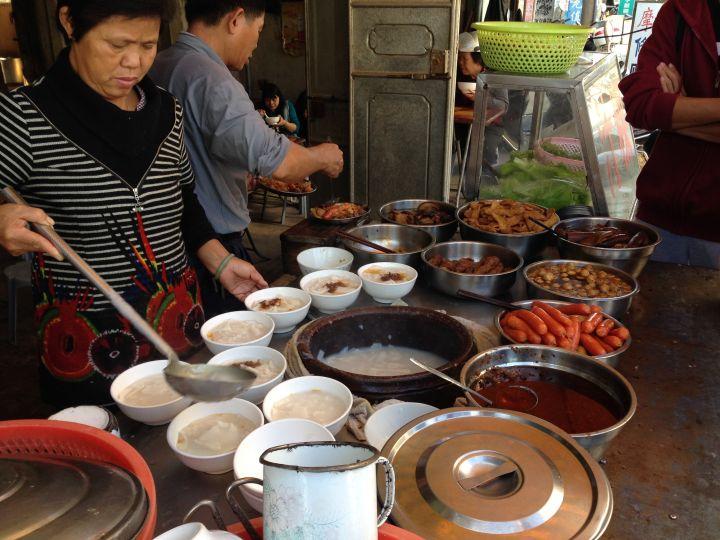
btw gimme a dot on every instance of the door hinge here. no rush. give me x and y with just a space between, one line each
439 63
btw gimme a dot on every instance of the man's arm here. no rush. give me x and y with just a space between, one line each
301 162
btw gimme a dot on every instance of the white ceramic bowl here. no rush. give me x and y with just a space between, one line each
195 531
219 463
255 394
306 384
332 303
385 422
386 293
272 120
217 347
324 258
153 415
467 88
286 320
247 457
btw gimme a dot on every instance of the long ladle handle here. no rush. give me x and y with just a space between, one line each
486 299
451 381
125 309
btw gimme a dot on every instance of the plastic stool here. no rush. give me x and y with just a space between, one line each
18 276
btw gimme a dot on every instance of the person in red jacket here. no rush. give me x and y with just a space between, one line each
675 89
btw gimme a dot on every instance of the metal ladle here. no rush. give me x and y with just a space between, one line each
473 392
201 382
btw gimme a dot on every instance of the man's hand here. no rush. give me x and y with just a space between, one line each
240 278
331 157
670 79
16 238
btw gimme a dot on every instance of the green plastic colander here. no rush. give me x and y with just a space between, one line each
526 47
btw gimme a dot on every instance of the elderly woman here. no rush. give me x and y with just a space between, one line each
97 150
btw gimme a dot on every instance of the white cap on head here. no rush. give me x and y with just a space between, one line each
468 42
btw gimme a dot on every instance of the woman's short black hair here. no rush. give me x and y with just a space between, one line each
211 12
86 14
477 57
269 91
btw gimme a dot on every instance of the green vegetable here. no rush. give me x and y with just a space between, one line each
524 179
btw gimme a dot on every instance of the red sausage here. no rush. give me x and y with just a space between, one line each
621 332
603 329
591 345
554 327
575 309
518 324
549 339
535 322
554 313
589 326
613 341
516 335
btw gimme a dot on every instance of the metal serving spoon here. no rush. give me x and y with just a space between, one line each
473 392
201 382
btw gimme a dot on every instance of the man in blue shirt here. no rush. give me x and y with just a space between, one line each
226 138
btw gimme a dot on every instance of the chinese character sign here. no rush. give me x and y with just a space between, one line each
643 19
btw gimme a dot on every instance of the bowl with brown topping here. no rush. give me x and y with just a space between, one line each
507 223
387 281
477 267
332 290
579 281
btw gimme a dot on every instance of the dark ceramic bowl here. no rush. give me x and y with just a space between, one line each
417 328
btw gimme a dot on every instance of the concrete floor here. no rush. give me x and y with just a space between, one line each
664 466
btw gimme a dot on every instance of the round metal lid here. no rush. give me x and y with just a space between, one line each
478 472
69 499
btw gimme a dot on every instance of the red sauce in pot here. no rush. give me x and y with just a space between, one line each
567 401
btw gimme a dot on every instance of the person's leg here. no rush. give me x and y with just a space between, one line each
704 253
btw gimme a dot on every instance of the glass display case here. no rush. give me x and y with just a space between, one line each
562 141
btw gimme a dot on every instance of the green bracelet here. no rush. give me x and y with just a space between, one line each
223 265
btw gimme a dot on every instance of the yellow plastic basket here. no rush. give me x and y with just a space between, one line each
535 48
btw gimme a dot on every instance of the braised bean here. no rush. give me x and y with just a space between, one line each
584 282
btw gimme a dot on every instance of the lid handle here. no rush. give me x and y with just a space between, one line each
473 482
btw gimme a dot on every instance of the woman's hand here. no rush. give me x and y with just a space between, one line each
670 79
241 278
16 238
262 112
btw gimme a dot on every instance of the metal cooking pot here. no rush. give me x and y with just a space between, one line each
630 260
441 233
598 374
412 242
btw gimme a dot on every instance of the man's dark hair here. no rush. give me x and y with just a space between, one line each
269 91
477 57
86 14
211 12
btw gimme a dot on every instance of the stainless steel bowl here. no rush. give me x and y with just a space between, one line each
615 307
612 359
599 375
441 233
412 242
487 285
528 246
630 260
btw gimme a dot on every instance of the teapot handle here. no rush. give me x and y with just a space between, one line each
389 490
237 509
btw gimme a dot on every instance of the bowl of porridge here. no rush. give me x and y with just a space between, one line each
236 329
319 399
387 282
332 290
205 436
268 365
287 306
143 394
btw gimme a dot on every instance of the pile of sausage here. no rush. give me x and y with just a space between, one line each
575 327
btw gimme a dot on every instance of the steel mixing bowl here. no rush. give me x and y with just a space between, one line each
630 260
612 359
615 307
528 245
488 284
599 376
412 242
441 233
